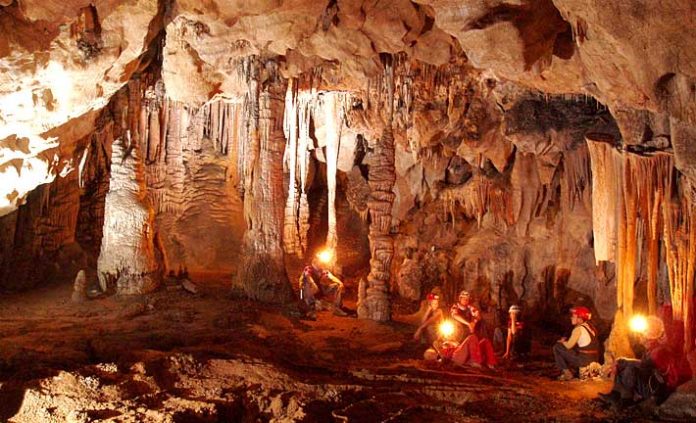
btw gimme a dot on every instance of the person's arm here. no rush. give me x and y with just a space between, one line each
332 278
574 337
508 344
427 319
513 323
456 316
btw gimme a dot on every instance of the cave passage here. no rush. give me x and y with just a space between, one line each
348 211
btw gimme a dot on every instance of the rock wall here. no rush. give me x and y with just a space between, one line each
492 176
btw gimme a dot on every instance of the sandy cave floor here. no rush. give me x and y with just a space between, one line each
177 357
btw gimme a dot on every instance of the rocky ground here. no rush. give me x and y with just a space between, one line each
177 357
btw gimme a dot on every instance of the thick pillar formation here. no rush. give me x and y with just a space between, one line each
127 260
373 300
262 274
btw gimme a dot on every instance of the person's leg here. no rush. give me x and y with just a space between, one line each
566 359
498 340
309 288
487 353
626 379
336 289
462 355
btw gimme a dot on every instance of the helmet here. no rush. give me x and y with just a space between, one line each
430 355
582 312
464 293
432 297
656 328
514 309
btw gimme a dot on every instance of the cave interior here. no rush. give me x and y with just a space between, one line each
169 167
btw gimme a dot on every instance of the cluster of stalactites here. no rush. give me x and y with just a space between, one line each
519 201
476 198
304 103
637 201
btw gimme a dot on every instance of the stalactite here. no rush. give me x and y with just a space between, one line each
479 196
290 234
382 175
333 107
299 103
576 178
680 245
604 196
647 202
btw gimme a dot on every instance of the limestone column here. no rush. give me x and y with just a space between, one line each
373 299
127 259
262 274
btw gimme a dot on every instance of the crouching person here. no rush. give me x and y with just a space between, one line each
656 374
317 281
581 349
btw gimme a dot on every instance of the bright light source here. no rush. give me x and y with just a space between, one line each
638 324
446 329
325 256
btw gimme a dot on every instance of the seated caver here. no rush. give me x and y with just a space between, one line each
656 374
313 281
581 349
518 343
475 349
428 329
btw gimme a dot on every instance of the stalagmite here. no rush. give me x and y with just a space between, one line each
127 258
262 274
382 175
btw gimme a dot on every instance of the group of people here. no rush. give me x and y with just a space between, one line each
654 375
470 343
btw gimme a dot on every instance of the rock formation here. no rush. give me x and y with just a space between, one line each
535 151
127 259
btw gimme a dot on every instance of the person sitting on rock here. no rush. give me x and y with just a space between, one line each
656 374
518 343
581 349
428 329
475 349
313 281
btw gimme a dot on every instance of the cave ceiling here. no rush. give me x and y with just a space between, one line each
61 61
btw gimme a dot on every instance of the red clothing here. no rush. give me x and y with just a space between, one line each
667 363
474 350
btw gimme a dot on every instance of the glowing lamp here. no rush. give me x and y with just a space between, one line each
325 256
638 324
446 329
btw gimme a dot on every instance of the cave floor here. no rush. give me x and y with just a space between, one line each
177 357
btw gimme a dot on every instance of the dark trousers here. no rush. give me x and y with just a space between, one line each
634 378
571 359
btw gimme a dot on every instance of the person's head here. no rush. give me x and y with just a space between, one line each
580 315
434 301
464 298
655 330
514 310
